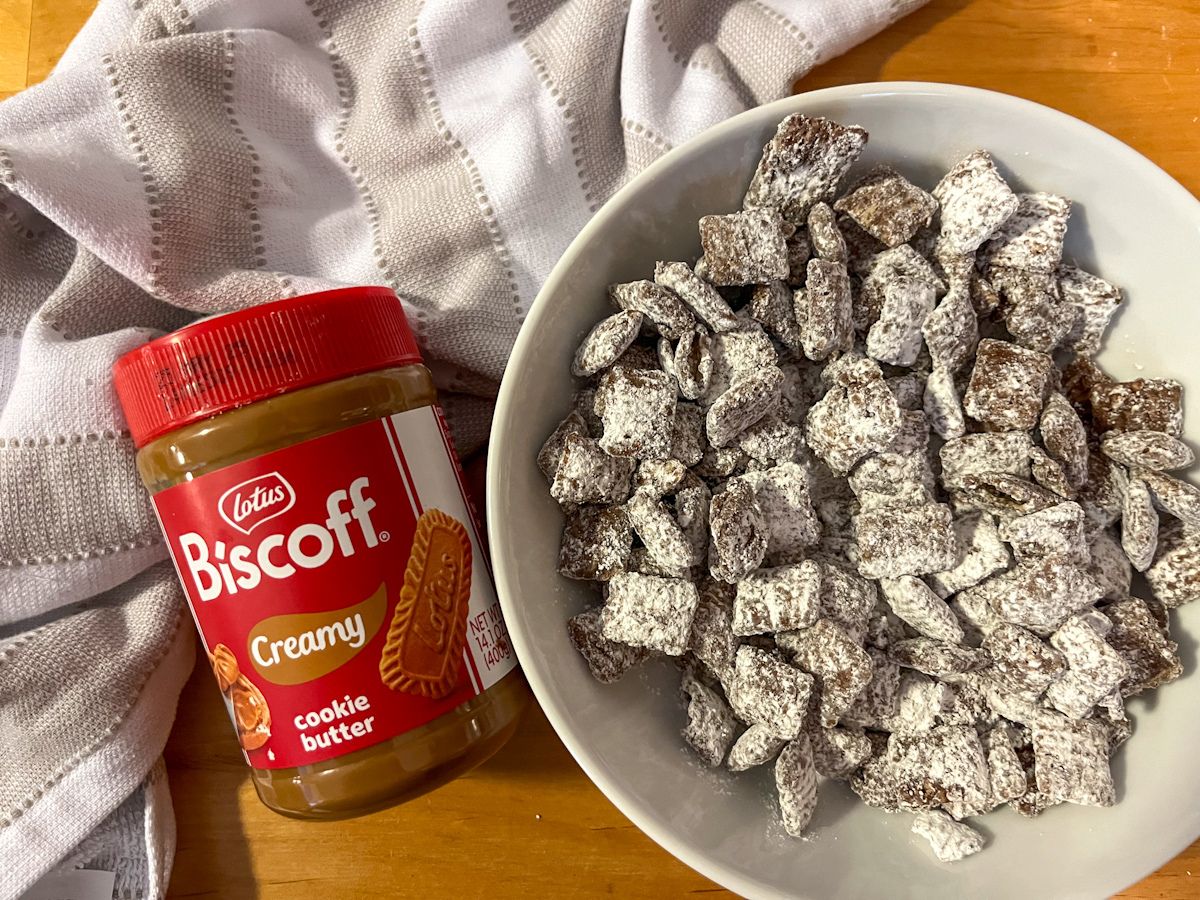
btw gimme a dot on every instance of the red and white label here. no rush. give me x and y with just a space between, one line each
326 629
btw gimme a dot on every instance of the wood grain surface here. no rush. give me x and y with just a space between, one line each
529 823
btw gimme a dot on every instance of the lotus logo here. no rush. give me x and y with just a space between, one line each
247 505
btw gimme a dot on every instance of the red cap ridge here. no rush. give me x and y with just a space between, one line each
232 360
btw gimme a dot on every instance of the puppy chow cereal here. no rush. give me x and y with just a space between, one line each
975 202
825 236
744 248
780 599
888 206
856 470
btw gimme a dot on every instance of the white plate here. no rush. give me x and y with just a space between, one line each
1132 224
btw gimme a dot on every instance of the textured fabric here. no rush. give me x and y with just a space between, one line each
197 156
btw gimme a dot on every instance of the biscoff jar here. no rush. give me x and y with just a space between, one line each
314 508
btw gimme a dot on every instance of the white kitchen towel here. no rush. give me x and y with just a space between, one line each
197 156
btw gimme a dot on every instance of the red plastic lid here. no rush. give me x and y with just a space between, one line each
231 360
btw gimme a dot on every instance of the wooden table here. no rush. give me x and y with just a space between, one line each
529 823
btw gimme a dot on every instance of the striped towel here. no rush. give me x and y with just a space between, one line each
197 156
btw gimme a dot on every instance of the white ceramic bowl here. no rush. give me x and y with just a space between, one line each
1132 224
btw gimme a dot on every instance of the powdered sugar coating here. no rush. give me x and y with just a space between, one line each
975 201
660 533
893 479
1039 595
772 440
638 412
1032 237
1094 669
551 453
754 747
888 206
583 404
687 434
1151 657
841 667
1006 495
1021 661
1049 474
949 840
790 524
853 420
937 658
823 310
1065 438
1056 532
1180 499
1097 302
1109 566
912 600
779 599
796 781
896 337
772 305
595 544
942 405
943 765
1033 312
659 477
879 702
738 538
769 692
984 296
737 355
882 269
586 474
837 751
607 660
906 541
847 599
951 331
1038 466
1139 525
1072 762
1146 404
721 463
659 305
712 641
909 390
826 237
742 405
982 554
1174 576
692 363
605 343
697 294
648 611
710 725
1008 386
1103 496
1005 772
1154 450
803 164
744 248
1001 452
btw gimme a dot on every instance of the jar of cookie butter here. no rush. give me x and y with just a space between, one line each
314 507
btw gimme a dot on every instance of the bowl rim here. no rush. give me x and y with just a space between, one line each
633 807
